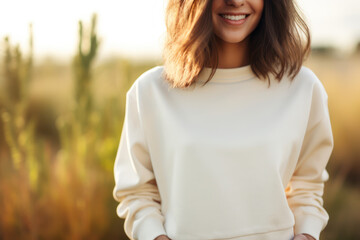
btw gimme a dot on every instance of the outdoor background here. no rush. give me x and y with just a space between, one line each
65 68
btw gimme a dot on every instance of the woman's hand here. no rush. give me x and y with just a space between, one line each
303 236
162 237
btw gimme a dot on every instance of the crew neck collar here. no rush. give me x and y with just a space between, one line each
227 74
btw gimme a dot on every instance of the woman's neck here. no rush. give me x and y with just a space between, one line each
232 55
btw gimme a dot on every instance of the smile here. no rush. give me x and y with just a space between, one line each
233 17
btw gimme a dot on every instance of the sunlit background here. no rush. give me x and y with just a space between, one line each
61 109
136 28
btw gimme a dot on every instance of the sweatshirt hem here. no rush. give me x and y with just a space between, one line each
236 235
285 233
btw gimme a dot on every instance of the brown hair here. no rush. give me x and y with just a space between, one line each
276 45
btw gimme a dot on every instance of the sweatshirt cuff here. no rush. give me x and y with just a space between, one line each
150 227
310 224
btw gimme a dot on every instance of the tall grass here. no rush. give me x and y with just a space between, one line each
61 192
60 127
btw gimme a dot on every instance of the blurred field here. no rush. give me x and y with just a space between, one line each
56 175
341 78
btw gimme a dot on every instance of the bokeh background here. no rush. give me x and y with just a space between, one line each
65 67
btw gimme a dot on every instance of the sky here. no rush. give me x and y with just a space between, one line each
136 29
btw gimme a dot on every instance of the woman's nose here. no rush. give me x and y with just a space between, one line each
235 3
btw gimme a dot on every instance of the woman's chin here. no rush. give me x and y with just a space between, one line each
231 39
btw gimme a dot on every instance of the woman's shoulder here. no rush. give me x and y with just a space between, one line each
307 75
308 78
150 76
149 84
148 79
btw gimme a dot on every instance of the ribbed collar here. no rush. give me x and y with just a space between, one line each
227 74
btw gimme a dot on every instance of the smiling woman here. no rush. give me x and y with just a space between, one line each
232 25
209 150
273 38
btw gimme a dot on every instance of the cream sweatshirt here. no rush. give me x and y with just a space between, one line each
234 159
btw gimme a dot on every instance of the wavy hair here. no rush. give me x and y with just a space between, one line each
278 45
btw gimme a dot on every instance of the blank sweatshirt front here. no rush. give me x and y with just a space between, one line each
236 158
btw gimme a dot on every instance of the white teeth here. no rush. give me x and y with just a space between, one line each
233 17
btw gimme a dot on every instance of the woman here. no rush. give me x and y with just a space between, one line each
231 137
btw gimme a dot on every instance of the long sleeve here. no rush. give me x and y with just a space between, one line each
305 189
135 184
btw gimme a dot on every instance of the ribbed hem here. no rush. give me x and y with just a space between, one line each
305 223
150 226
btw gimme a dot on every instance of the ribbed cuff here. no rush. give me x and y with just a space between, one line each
310 224
150 226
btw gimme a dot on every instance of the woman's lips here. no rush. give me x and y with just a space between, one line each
234 19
